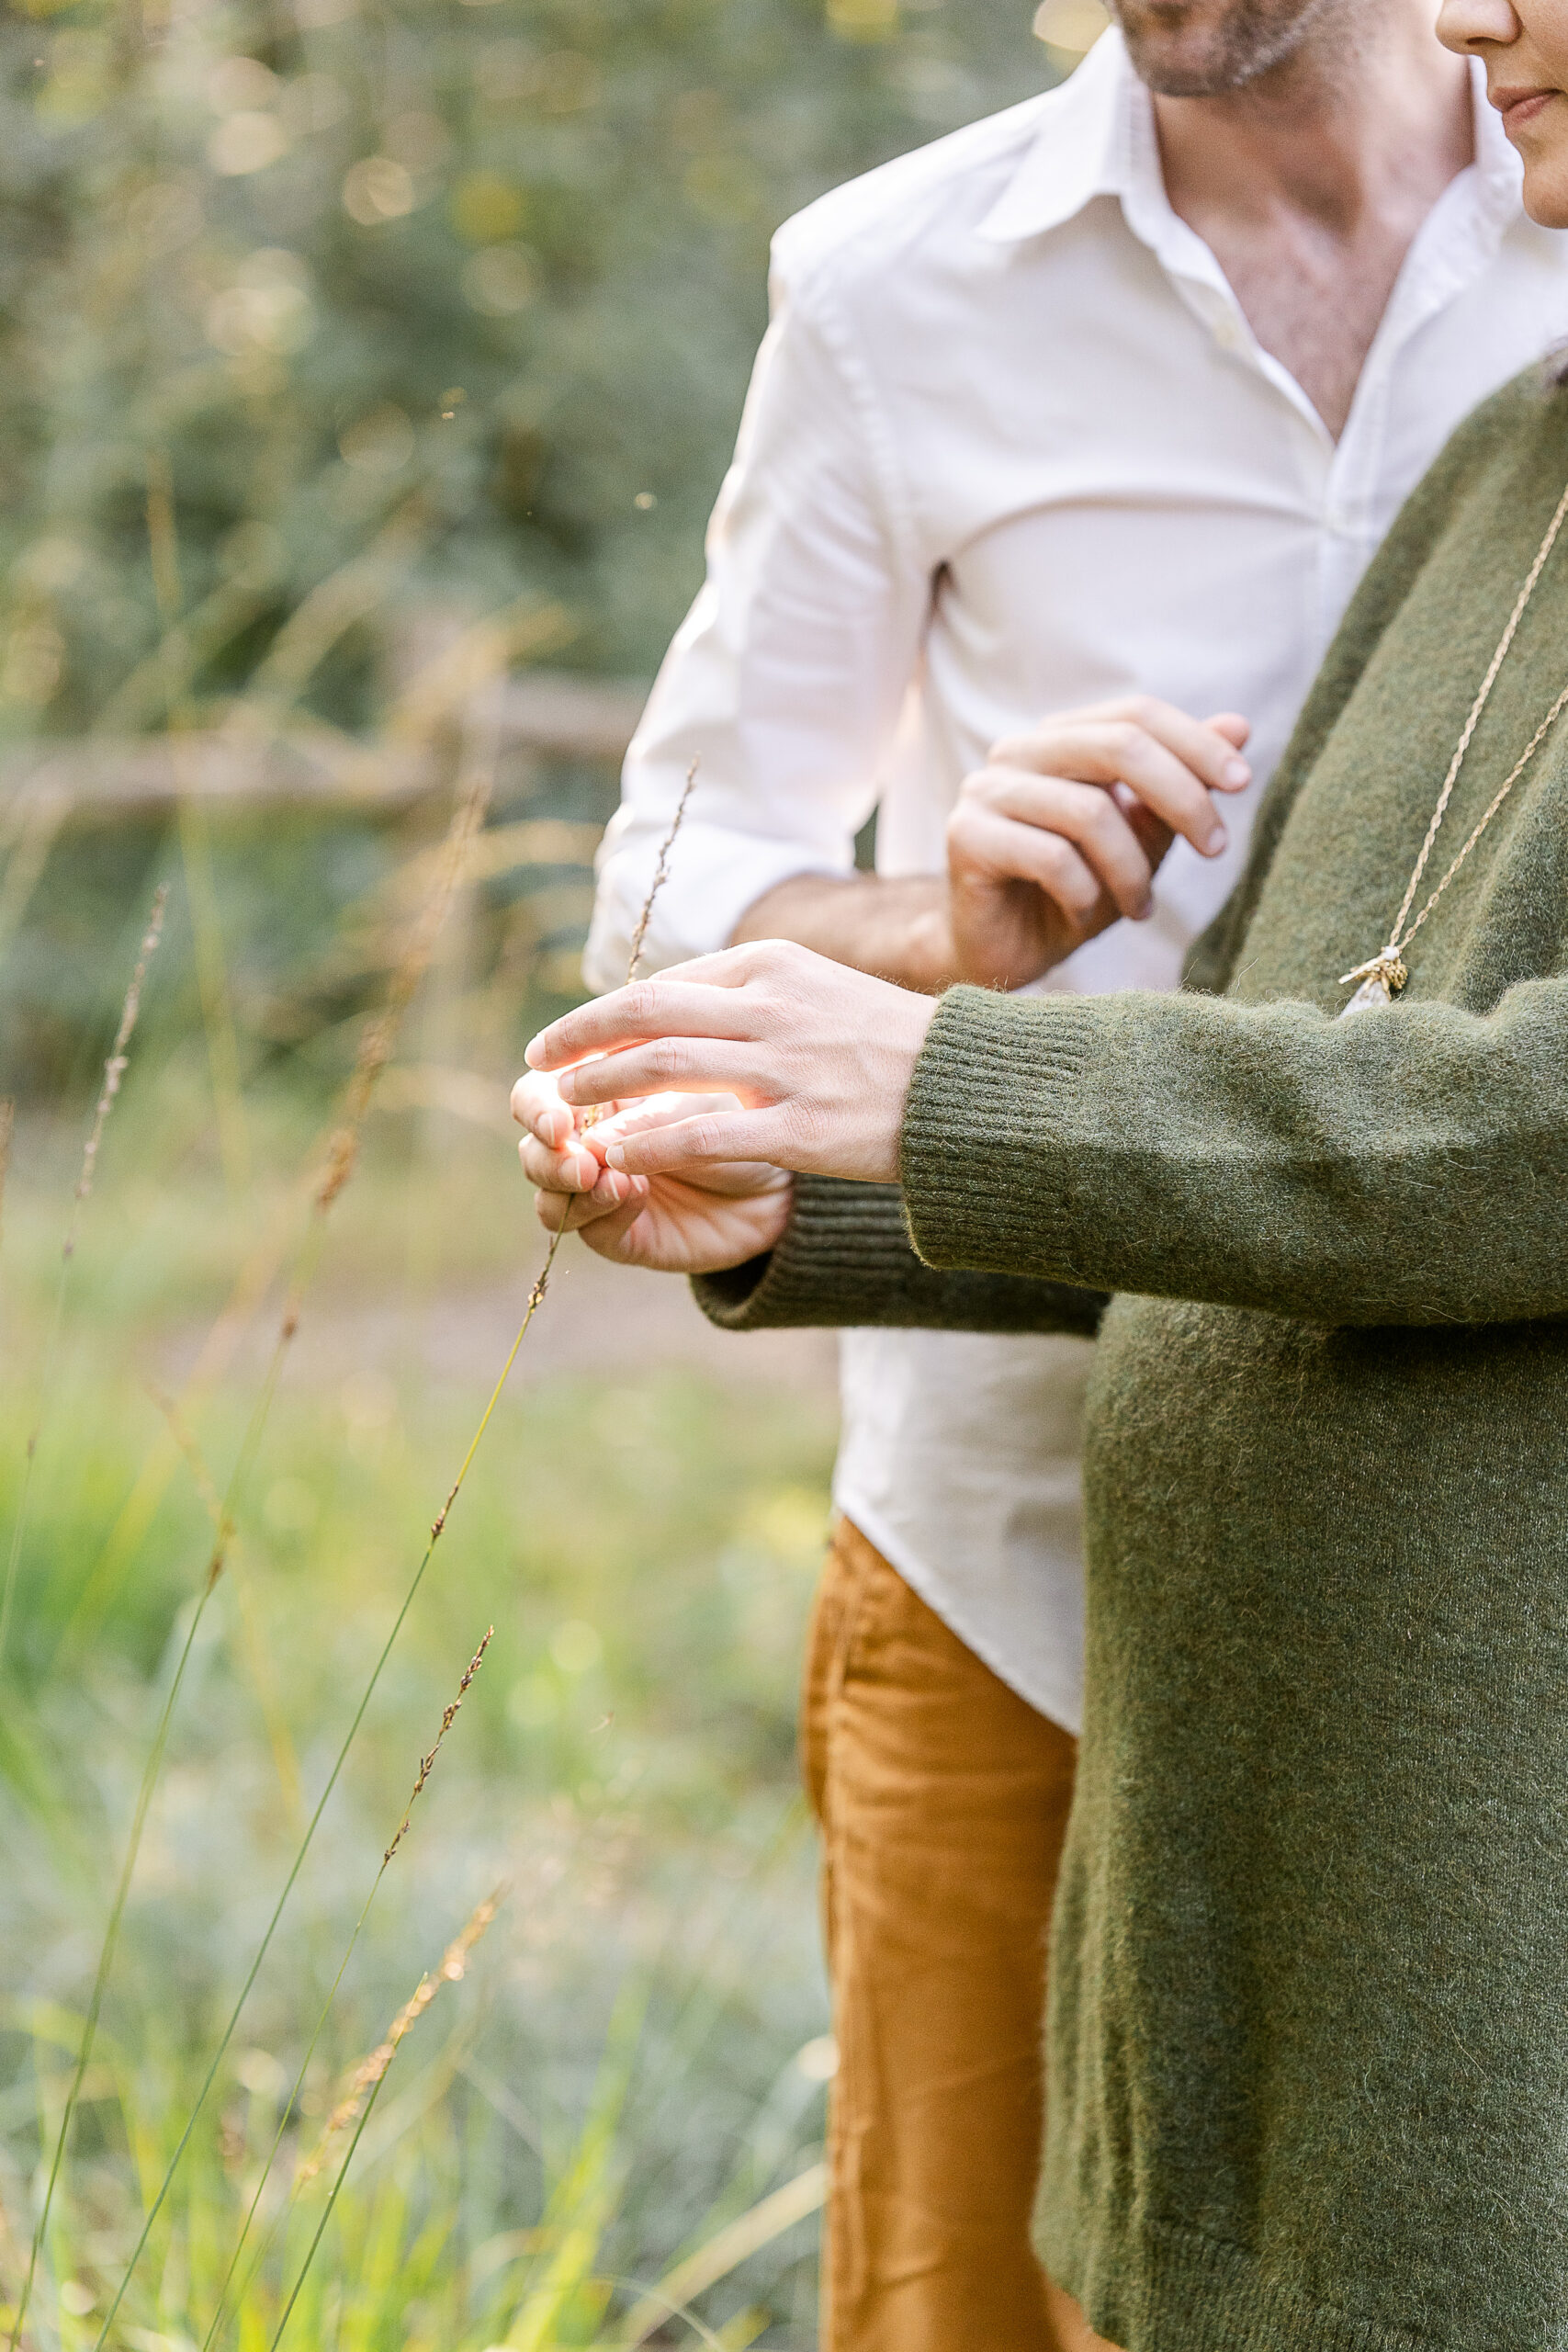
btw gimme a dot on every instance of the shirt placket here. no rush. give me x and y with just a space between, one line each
1197 281
1340 481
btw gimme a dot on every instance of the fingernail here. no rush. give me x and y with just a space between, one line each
1237 772
615 1155
1217 840
1145 911
533 1052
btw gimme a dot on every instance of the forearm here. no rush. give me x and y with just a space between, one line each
896 928
846 1258
1407 1168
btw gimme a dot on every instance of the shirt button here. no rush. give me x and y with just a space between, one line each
1227 332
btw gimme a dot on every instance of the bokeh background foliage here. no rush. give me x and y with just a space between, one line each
423 308
504 262
330 331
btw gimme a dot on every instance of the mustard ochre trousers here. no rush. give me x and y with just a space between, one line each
943 1799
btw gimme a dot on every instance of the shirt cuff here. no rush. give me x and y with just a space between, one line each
713 877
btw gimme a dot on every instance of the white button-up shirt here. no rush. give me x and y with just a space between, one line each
1011 446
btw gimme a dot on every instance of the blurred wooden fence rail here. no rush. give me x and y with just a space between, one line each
541 714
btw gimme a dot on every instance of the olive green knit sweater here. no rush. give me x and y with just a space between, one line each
1309 2025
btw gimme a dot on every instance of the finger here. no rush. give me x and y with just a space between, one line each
687 1065
1078 744
653 1111
610 1237
1153 834
536 1105
1210 748
576 1170
716 1135
1117 754
1024 828
996 848
1232 727
595 1221
661 1007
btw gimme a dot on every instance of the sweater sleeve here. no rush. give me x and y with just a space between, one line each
1406 1167
1057 1148
846 1258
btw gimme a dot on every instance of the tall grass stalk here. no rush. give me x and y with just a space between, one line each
257 1273
373 2074
113 1072
426 1765
279 1738
583 2200
8 1130
534 1297
326 1181
723 2252
37 819
195 845
451 863
373 1052
661 873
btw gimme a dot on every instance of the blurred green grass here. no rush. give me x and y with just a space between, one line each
619 2074
454 300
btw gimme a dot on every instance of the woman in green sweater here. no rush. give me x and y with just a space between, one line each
1309 2029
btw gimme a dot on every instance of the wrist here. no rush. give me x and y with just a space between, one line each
929 963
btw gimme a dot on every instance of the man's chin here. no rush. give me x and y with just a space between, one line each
1206 48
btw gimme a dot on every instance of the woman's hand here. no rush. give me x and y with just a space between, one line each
692 1223
1063 830
817 1057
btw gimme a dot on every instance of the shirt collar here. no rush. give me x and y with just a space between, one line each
1083 147
1097 138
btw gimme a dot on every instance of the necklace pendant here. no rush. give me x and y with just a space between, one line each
1371 993
1382 980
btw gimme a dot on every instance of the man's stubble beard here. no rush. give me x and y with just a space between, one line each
1207 47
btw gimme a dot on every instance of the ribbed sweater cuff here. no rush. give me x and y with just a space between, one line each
974 1156
845 1250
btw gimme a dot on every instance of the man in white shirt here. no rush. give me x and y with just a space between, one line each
1115 392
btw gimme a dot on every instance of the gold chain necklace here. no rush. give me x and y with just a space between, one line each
1383 976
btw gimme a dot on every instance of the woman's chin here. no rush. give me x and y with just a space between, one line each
1549 208
1546 170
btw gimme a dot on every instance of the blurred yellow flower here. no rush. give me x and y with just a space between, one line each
863 19
1070 25
486 209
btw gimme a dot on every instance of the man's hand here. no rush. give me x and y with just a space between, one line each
1063 830
696 1221
817 1058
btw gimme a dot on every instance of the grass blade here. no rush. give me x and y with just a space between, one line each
113 1072
534 1298
373 2074
426 1765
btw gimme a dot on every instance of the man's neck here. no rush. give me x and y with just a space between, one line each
1310 183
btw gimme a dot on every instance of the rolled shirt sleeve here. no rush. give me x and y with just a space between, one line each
786 682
